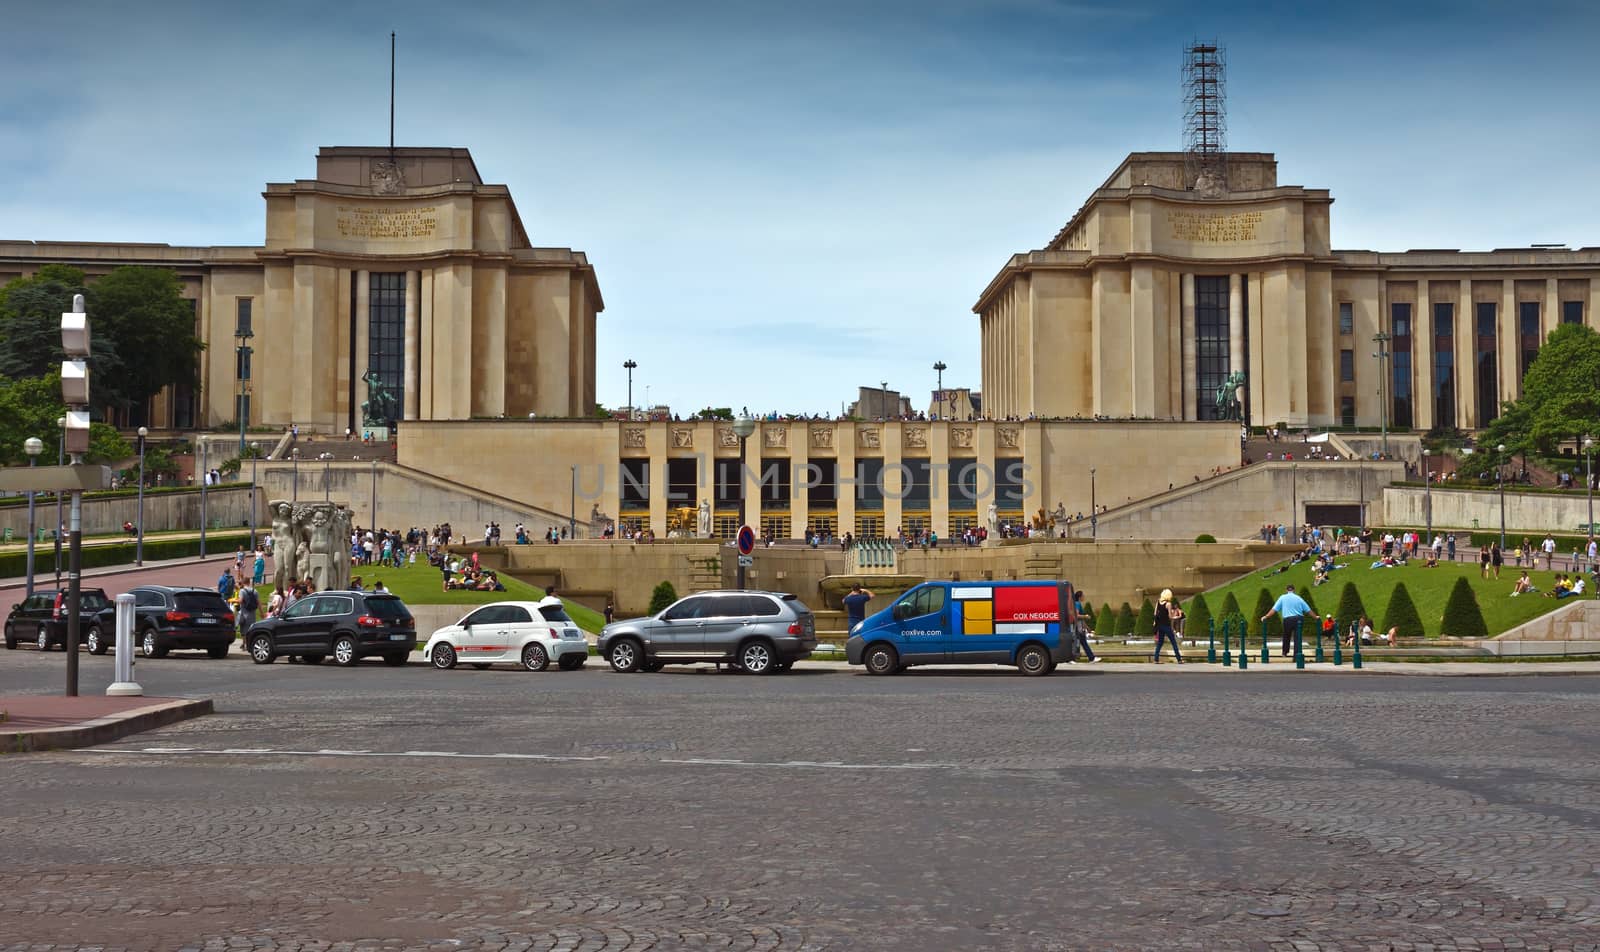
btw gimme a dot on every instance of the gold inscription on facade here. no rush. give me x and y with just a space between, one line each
1202 226
359 221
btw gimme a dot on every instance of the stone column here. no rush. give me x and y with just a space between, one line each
894 483
1236 325
1551 318
1466 358
1422 359
413 350
844 448
750 480
361 347
799 496
1509 343
1190 379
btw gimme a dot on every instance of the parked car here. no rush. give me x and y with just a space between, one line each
531 633
168 618
760 632
42 617
347 625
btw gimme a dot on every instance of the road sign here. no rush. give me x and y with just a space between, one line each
747 540
746 561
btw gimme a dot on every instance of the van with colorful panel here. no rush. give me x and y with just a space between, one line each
1026 624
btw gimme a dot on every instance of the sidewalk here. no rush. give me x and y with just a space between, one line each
36 722
48 579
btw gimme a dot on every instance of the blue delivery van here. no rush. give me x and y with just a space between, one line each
1027 624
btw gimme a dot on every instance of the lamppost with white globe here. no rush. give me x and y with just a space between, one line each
138 545
33 446
327 476
255 455
742 428
1427 491
1588 479
1500 474
61 460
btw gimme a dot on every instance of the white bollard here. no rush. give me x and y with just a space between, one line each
125 685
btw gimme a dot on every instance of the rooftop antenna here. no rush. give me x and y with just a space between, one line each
391 95
1205 119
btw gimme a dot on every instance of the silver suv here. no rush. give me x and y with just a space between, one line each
759 632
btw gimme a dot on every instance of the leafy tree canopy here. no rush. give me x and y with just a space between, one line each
30 407
1560 396
151 329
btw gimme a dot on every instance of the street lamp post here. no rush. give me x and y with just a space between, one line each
33 446
1427 490
138 546
205 480
883 400
1383 386
742 428
255 454
1094 511
61 459
327 476
374 481
630 365
572 507
1500 475
1588 479
939 367
1294 501
294 455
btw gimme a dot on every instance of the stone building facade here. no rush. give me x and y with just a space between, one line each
399 261
1156 290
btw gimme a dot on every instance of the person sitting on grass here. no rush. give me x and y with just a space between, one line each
1575 587
1561 588
1524 586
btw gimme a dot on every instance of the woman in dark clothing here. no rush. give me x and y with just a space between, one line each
1167 616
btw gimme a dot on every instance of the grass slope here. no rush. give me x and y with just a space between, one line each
420 585
1429 588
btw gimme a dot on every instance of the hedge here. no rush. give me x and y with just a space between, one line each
11 502
1145 624
1462 616
15 564
1402 614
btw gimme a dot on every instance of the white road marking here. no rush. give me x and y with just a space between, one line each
504 755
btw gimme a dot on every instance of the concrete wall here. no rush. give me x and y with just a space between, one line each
1466 508
1235 505
627 571
226 507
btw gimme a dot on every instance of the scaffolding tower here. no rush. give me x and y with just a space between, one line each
1205 117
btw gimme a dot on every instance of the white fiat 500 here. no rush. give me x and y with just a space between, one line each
531 634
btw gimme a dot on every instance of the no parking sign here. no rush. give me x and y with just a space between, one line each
747 540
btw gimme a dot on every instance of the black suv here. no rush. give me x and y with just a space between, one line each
167 618
347 625
42 617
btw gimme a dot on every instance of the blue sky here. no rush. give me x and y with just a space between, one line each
786 201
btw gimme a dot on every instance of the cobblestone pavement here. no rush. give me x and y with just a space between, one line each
378 808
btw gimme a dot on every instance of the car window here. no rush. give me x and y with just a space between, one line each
924 601
302 608
688 608
91 601
387 607
201 602
487 615
554 613
761 605
335 605
148 599
33 603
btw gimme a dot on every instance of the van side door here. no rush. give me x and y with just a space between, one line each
922 619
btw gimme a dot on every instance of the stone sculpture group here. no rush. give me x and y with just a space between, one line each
310 540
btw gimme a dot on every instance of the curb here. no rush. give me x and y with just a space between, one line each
103 730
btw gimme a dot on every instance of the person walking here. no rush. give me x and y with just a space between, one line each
1167 615
1496 558
225 584
1293 610
1483 562
1080 629
1450 545
249 603
258 571
855 606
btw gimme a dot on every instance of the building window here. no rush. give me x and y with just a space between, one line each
241 318
1347 411
917 475
1009 473
1347 365
1488 381
1444 366
1572 312
1347 317
1528 331
1211 342
963 477
1400 358
386 335
869 483
683 484
635 485
776 482
822 485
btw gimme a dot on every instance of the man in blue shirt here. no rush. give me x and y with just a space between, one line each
855 606
1293 610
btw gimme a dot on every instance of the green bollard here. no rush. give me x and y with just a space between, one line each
1299 638
1355 651
1211 643
1266 650
1338 639
1227 655
1244 638
1319 642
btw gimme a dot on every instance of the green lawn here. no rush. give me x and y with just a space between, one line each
1429 589
420 584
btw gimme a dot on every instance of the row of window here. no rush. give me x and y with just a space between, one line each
1571 313
780 480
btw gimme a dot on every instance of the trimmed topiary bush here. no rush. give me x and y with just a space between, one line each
1462 616
1105 625
1125 620
1145 624
1264 601
661 597
1205 537
1402 616
1350 606
1230 607
1197 618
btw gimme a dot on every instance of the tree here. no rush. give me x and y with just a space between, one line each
1350 607
1145 624
1402 614
1125 620
142 312
1230 607
1197 618
1560 395
1106 624
30 321
1263 605
662 597
29 407
1462 616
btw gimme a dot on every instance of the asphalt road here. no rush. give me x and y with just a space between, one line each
325 808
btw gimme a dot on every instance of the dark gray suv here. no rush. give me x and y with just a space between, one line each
759 632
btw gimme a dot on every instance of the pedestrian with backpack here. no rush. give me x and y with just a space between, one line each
249 604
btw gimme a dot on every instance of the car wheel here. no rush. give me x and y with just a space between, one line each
43 641
396 660
444 657
312 659
535 658
882 659
344 651
150 644
95 641
219 651
11 637
261 649
626 656
756 657
572 662
1033 660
